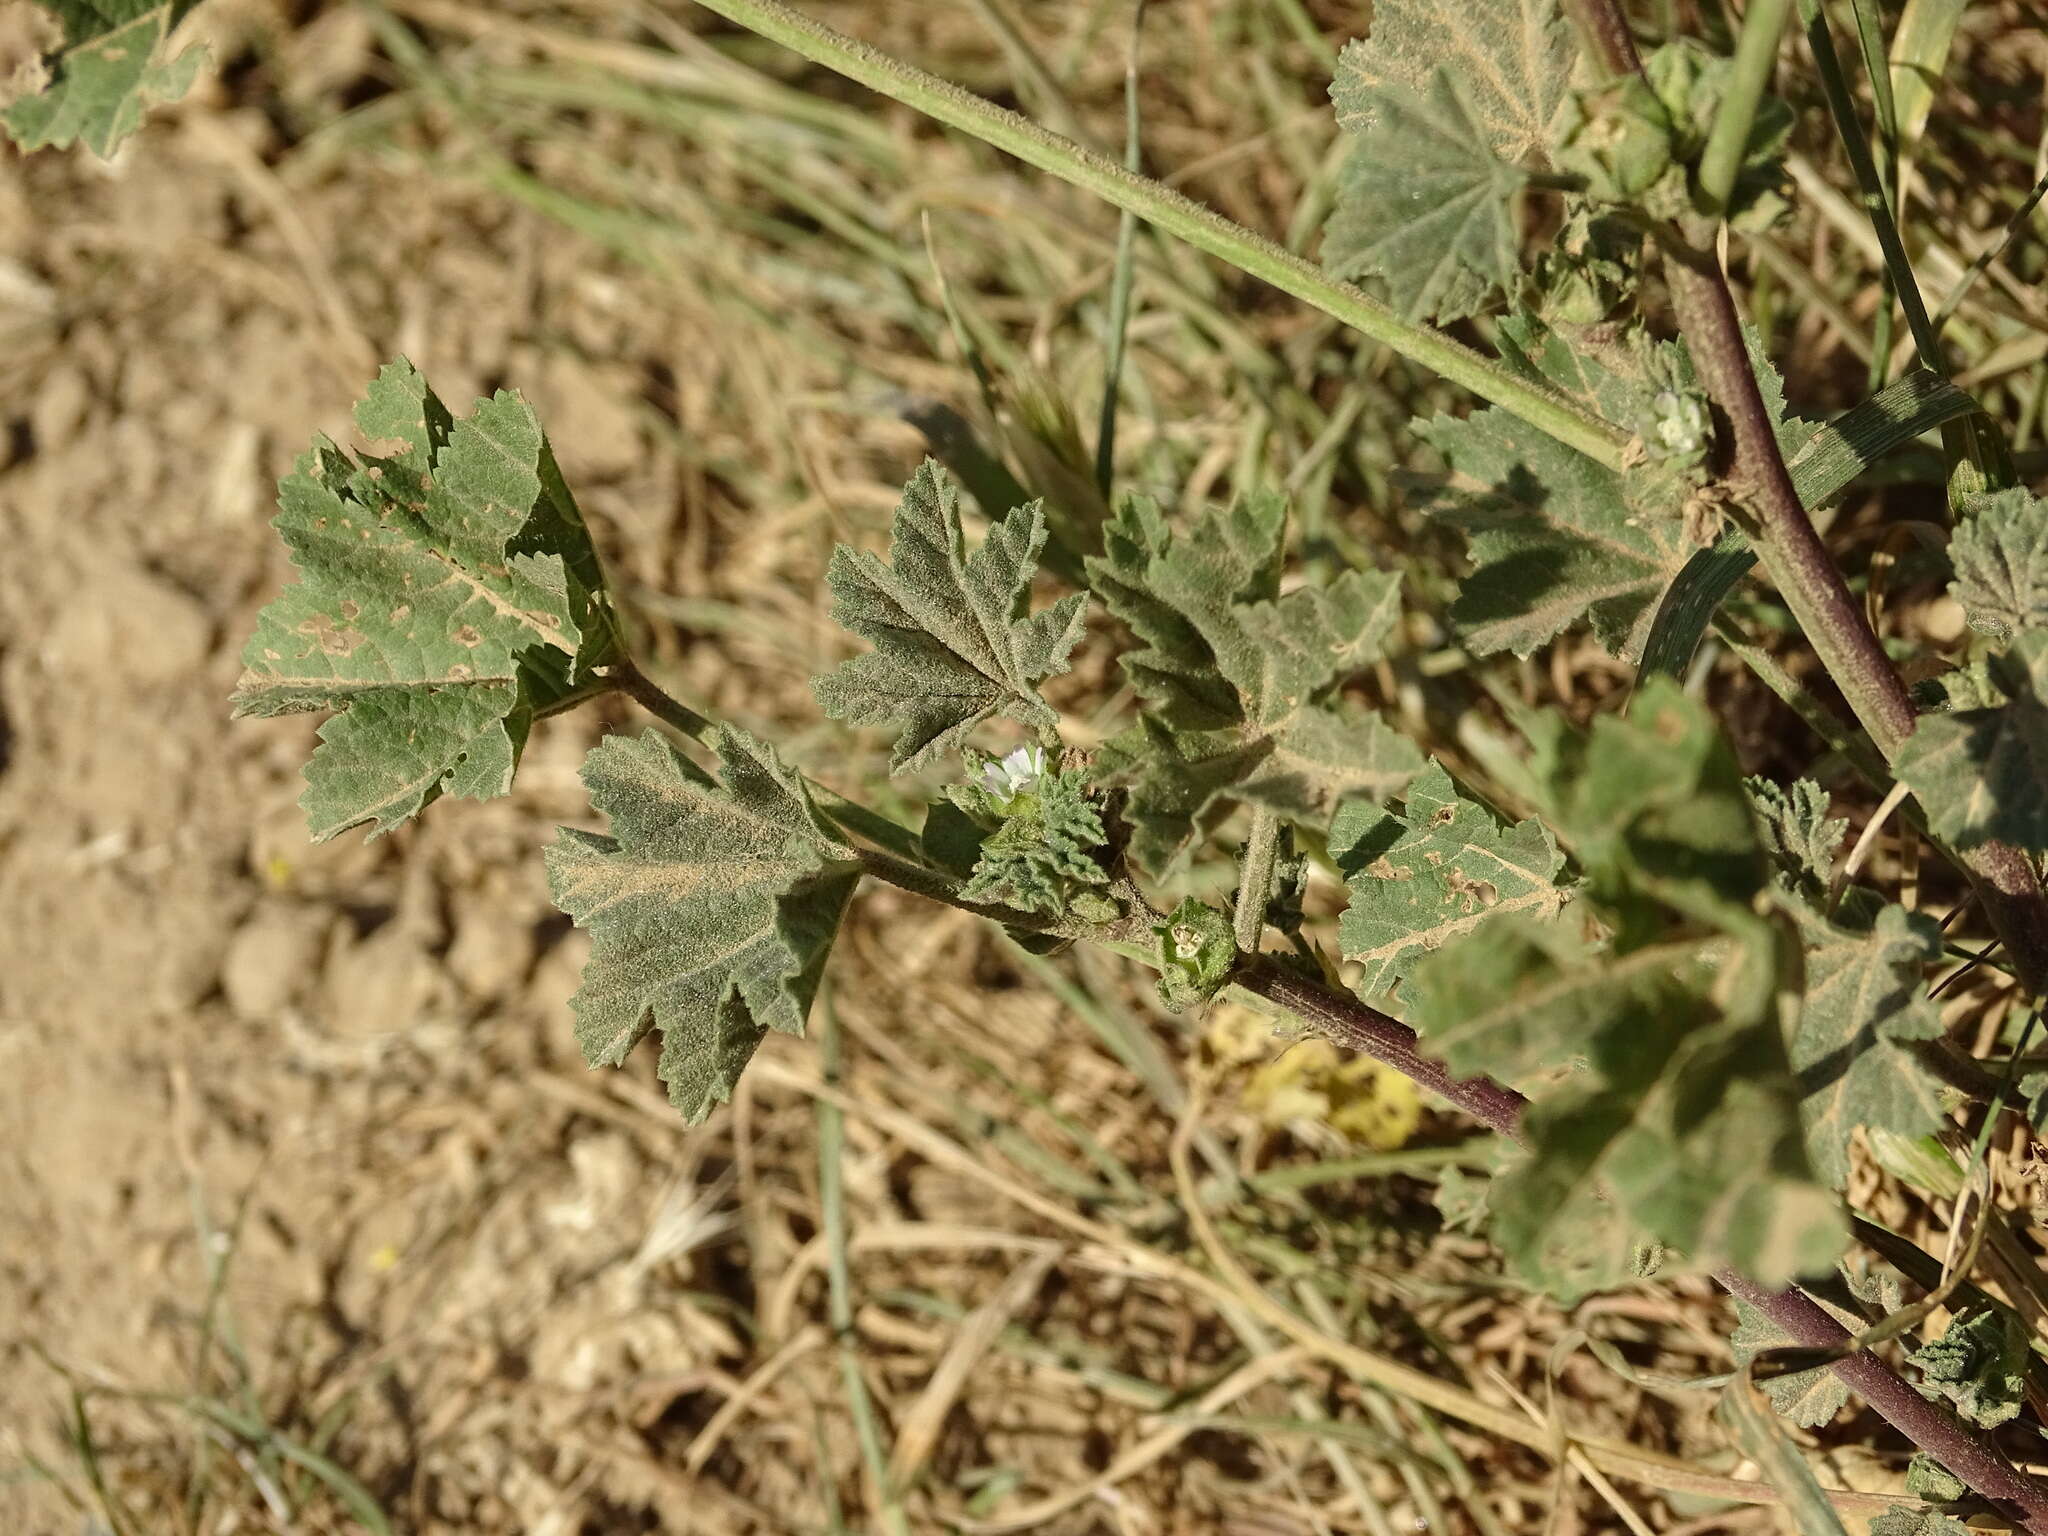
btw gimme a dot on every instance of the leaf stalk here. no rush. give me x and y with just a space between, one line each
1256 862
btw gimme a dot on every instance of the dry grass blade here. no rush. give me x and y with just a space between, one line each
917 1430
1246 1378
709 1438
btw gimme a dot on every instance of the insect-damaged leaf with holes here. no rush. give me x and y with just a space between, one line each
1685 1110
711 907
953 642
1863 1007
1982 774
2000 553
447 594
1238 681
1449 106
107 69
1433 874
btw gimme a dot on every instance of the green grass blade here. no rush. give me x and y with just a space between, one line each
1180 217
1832 457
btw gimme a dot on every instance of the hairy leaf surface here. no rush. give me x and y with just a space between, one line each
1426 207
1798 834
447 593
711 907
108 69
1980 1364
1980 773
2000 553
1237 680
1448 106
1863 1006
953 641
1433 874
1042 855
1554 538
1916 1520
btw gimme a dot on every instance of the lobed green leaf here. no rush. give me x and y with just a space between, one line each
953 642
108 70
1433 874
448 593
1238 680
2000 553
1448 106
1979 773
711 907
1862 1008
1980 1364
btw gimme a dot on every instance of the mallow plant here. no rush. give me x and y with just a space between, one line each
1667 986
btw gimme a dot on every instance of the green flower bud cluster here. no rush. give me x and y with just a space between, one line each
1638 141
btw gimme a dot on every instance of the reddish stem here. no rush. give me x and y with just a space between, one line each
1969 1455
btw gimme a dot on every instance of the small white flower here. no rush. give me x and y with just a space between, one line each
1681 421
1020 771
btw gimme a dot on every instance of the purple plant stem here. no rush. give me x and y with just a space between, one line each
1970 1456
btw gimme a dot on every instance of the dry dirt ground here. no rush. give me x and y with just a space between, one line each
337 1084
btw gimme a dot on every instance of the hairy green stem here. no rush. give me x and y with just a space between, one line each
1181 217
634 683
1255 864
1756 54
1877 69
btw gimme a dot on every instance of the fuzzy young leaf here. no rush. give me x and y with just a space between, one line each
1979 1364
1236 679
1980 773
1449 106
2000 553
1041 856
108 69
448 593
711 907
1433 874
1927 1478
1798 834
1864 1005
954 644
